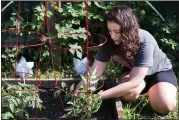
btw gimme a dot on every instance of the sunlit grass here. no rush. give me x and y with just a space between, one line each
141 110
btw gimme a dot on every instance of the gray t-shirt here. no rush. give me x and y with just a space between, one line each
149 54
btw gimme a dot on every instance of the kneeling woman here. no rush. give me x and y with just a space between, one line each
136 49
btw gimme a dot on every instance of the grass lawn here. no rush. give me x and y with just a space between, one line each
141 109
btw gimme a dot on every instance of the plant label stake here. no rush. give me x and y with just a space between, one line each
23 68
80 66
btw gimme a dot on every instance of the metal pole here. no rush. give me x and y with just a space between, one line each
7 6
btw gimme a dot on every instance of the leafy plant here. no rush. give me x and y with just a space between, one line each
16 98
86 102
114 69
64 73
8 56
69 17
135 110
39 12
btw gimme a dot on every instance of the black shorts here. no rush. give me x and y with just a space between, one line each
150 80
163 76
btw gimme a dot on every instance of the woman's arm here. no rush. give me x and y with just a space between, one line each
136 76
98 67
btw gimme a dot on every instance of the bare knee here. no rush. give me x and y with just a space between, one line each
163 107
161 99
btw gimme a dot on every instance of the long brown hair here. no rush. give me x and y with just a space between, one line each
125 17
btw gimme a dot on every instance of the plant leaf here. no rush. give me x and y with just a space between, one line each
38 8
72 87
7 115
92 88
57 93
79 54
63 84
84 79
11 106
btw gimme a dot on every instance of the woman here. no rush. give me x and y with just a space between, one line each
136 49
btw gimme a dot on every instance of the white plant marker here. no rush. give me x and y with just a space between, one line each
80 66
23 68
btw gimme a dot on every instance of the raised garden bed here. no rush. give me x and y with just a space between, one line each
53 107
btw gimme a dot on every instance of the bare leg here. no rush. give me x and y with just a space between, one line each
162 97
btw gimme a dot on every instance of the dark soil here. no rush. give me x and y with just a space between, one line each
54 111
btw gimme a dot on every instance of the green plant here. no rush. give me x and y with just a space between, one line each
114 69
85 103
70 17
39 12
8 56
137 110
61 73
16 98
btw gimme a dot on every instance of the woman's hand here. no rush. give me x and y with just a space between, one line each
76 92
101 93
124 77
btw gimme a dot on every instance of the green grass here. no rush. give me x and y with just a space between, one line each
141 110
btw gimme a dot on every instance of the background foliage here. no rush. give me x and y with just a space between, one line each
65 17
69 17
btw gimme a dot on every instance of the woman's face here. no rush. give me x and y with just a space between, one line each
115 31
